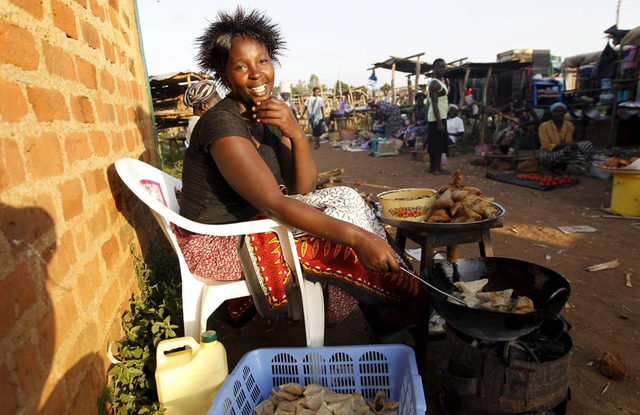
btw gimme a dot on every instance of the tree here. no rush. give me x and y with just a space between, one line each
341 87
314 81
299 87
386 86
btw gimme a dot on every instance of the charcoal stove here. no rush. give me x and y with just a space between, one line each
528 375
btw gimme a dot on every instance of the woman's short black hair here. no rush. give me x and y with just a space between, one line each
215 44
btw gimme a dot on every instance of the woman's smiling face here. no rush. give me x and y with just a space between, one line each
249 72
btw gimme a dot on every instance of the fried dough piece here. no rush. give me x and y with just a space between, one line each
474 191
457 180
471 287
459 194
483 210
497 300
468 213
462 219
524 305
439 215
295 389
444 201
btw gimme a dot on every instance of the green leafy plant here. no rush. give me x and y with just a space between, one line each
155 315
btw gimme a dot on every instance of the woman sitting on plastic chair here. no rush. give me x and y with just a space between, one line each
557 146
250 158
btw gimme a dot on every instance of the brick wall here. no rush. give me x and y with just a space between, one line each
73 100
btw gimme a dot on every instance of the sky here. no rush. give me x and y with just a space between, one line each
342 39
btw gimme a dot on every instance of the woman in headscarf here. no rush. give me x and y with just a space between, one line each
557 146
389 114
246 154
437 135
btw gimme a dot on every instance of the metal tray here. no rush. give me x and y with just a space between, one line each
438 227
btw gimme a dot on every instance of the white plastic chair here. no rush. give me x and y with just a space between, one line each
200 300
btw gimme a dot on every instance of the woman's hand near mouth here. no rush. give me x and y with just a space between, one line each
275 112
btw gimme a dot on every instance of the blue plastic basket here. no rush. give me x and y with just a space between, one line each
344 369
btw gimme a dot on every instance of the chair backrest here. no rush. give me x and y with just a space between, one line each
156 189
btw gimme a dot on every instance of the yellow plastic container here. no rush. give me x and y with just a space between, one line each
625 195
188 380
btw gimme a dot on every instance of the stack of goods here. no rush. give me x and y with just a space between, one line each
313 399
459 203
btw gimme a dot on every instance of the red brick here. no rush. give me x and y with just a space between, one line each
63 257
11 169
64 18
96 224
114 19
107 81
22 288
132 67
132 115
18 47
110 252
126 20
7 392
90 388
97 10
81 241
100 143
95 181
13 105
135 93
105 111
90 35
30 374
49 105
44 156
117 142
25 226
72 198
114 5
55 325
83 3
77 147
109 52
53 398
33 7
127 41
130 141
58 61
80 354
91 277
87 73
121 114
110 304
123 89
613 365
82 110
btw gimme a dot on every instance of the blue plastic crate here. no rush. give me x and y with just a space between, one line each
343 369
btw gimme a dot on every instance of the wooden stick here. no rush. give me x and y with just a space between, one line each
605 389
628 284
605 265
365 184
331 173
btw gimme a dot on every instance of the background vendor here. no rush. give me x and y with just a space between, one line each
557 146
201 97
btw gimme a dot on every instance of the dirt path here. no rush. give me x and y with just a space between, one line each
604 313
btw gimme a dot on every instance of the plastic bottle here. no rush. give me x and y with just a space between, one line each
188 380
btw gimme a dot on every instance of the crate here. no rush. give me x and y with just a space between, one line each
343 369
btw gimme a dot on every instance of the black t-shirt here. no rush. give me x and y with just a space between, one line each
206 195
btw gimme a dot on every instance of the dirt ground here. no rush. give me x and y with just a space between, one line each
603 312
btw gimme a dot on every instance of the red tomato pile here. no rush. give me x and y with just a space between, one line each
546 180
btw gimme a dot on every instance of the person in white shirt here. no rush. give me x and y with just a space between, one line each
200 97
314 107
455 125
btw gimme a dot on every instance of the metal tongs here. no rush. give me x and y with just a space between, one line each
414 275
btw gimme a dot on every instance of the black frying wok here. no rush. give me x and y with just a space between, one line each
548 290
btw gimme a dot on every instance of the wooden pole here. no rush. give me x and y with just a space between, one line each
486 85
411 100
393 82
464 85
